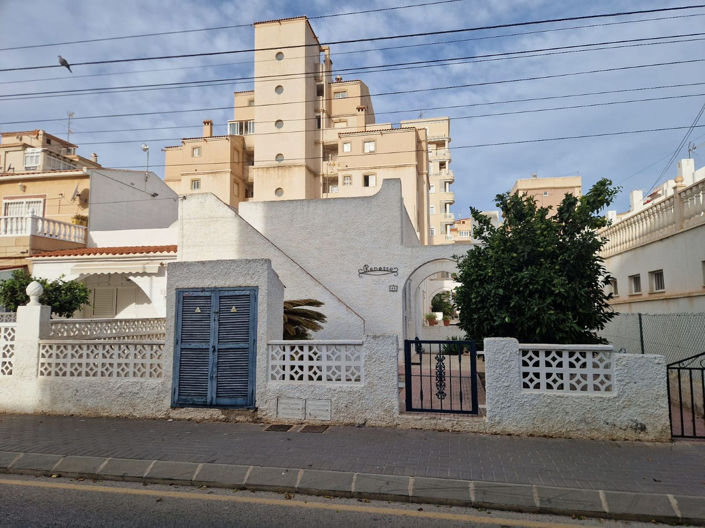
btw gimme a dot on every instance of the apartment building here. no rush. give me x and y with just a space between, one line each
303 134
461 232
548 192
44 189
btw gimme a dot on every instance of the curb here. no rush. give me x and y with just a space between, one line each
528 498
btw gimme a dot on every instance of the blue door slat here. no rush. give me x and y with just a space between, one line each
220 372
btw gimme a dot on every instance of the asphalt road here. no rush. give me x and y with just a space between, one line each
41 502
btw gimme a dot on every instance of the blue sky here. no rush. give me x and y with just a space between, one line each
632 161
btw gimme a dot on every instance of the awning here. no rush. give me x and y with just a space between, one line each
115 267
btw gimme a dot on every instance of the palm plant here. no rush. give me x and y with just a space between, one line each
300 321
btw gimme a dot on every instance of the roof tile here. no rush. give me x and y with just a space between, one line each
115 250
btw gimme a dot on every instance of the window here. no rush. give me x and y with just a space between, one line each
613 287
279 123
31 158
347 180
545 193
279 158
319 90
432 209
340 123
279 56
433 231
340 94
465 234
634 284
196 152
369 180
104 302
368 146
195 185
241 128
432 188
250 102
656 282
279 192
347 147
318 121
23 207
279 89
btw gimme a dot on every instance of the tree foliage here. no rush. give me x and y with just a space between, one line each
441 302
64 297
299 322
537 278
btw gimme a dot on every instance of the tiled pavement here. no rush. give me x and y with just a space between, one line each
674 468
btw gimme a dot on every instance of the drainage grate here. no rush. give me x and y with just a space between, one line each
313 428
280 428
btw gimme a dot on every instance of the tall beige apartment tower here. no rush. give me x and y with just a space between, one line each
302 134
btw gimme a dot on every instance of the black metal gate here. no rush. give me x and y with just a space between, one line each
686 397
440 376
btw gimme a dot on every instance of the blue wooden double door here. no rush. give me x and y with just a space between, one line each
215 347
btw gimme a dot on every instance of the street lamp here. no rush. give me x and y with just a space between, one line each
145 148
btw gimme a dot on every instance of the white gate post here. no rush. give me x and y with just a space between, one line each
33 324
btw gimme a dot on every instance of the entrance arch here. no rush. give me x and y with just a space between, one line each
413 295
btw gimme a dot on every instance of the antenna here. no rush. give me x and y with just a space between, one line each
68 126
692 147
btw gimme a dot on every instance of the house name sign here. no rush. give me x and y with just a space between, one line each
377 270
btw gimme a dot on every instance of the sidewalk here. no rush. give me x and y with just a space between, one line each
618 479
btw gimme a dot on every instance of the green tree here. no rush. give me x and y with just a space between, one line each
538 278
64 297
299 322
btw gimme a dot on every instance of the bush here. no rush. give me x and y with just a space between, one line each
64 297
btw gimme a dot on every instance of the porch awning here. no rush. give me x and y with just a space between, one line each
116 267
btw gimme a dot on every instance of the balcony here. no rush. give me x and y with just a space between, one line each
446 175
18 226
449 217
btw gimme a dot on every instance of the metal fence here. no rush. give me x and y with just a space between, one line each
676 336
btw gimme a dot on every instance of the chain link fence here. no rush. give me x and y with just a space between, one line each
676 336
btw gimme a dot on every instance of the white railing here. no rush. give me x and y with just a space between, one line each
8 317
683 210
316 361
43 227
109 329
693 200
566 368
101 359
7 348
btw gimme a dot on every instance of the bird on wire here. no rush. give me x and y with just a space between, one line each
64 63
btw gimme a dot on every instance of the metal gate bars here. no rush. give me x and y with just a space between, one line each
440 376
686 397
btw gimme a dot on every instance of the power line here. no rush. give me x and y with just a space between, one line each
678 148
366 39
368 50
216 82
457 147
425 109
215 28
355 128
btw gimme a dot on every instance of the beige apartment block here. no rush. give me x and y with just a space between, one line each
44 190
303 134
549 192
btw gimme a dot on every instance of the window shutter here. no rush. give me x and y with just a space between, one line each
194 354
232 377
104 302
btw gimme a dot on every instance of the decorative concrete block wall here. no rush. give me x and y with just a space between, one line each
575 391
345 382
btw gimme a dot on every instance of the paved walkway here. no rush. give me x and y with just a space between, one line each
640 468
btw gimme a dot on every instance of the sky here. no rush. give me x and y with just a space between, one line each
482 168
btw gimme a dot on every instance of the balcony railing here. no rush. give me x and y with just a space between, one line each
449 216
12 226
683 210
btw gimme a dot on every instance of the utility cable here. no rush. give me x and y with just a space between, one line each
367 50
365 39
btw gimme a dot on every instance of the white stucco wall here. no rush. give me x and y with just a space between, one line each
681 257
317 248
127 199
636 408
134 237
